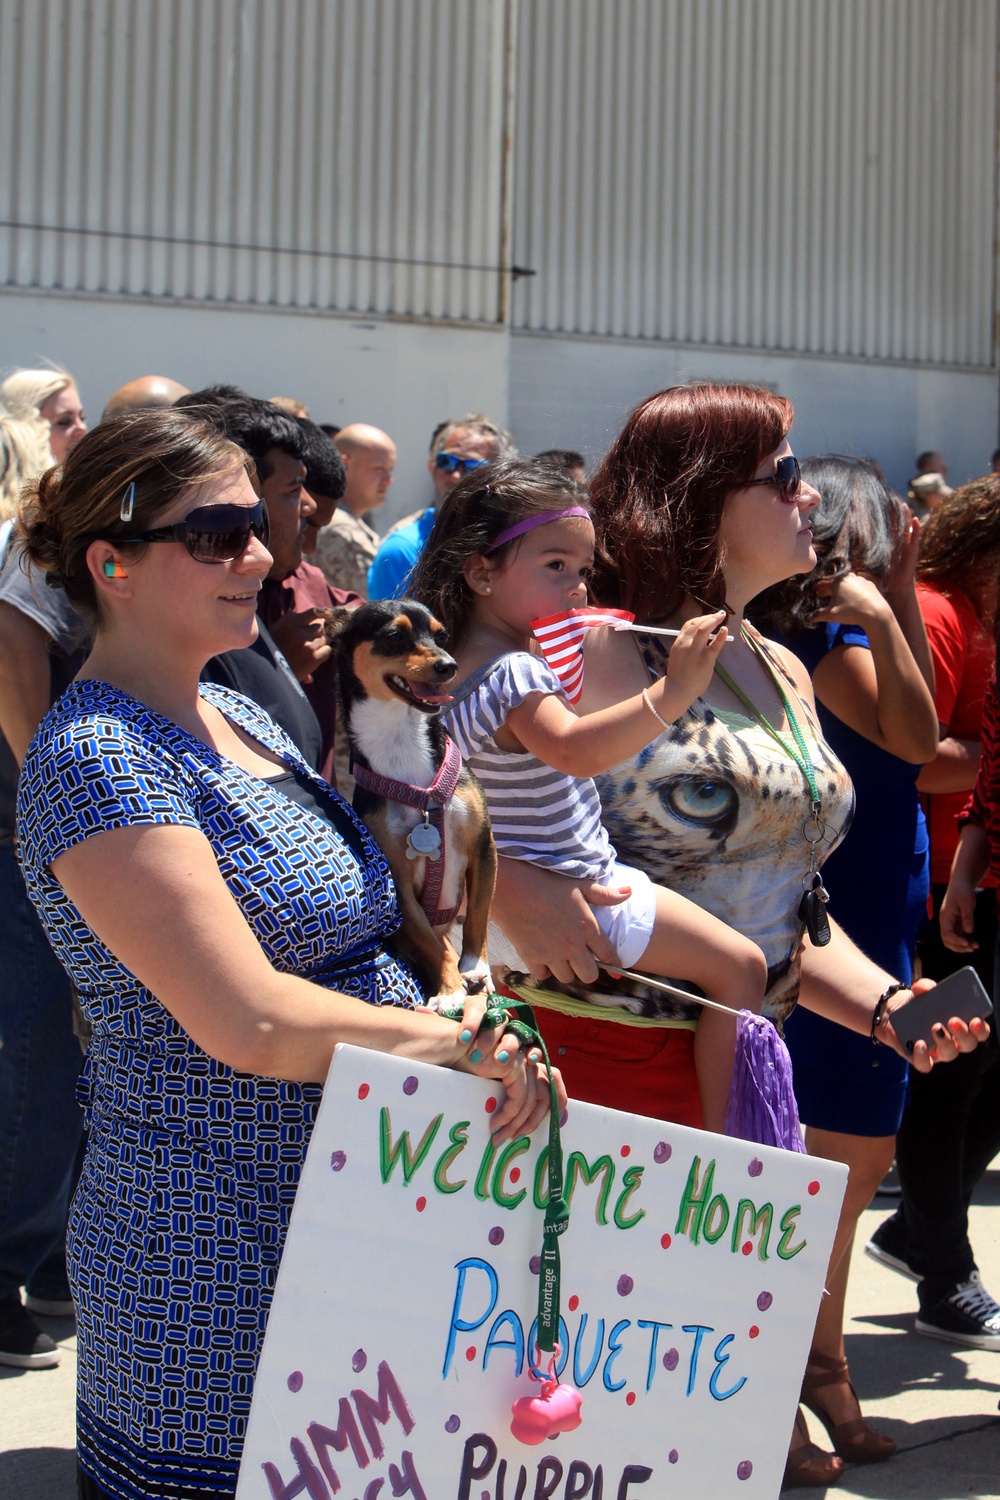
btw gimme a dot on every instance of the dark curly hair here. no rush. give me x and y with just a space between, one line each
481 505
658 494
857 527
960 541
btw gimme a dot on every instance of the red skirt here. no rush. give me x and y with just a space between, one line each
644 1070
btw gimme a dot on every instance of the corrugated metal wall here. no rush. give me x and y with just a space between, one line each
815 176
357 145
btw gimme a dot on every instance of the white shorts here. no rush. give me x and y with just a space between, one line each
629 925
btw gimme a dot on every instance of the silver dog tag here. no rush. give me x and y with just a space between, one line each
424 840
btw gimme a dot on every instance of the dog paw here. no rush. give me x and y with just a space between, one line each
476 975
450 1005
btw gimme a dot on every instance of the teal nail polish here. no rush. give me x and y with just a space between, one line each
476 1057
465 1036
502 1056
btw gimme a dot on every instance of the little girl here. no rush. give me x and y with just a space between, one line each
511 544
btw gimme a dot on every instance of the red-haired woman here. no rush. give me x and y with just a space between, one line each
698 505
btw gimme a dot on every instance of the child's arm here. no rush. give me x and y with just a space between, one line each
548 727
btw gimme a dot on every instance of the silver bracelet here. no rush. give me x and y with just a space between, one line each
649 704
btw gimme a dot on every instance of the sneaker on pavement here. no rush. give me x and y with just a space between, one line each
889 1186
883 1247
968 1315
46 1307
22 1343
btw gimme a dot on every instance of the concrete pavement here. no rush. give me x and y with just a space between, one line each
938 1401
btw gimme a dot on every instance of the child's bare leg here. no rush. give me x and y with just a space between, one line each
688 943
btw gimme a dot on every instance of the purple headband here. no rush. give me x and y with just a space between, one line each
542 519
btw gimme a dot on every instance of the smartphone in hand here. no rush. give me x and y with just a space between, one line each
961 994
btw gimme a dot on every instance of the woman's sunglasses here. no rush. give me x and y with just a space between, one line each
213 533
786 479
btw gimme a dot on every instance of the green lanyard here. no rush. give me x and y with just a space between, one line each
800 755
517 1017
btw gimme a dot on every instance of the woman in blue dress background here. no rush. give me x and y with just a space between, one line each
223 916
855 623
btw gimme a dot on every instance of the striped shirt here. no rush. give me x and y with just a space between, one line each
538 814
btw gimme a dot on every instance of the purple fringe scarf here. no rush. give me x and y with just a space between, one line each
761 1105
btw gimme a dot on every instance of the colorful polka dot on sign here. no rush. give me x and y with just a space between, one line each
813 1189
673 1456
744 1469
662 1152
754 1331
747 1247
625 1285
574 1303
764 1301
754 1167
358 1361
625 1151
630 1399
671 1359
420 1205
665 1241
514 1174
491 1105
535 1264
295 1382
470 1353
364 1091
453 1423
410 1085
338 1161
495 1235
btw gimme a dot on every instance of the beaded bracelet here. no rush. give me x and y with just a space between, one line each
649 704
877 1017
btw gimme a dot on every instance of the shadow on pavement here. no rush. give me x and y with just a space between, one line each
883 1367
38 1474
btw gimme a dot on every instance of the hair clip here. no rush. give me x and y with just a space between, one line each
128 502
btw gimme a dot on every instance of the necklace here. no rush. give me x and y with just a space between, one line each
815 897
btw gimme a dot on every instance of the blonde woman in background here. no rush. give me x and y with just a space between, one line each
52 395
24 453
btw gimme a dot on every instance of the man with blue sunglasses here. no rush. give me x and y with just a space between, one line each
457 446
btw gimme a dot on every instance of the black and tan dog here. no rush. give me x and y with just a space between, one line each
426 811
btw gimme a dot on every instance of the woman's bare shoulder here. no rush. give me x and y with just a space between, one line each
793 667
613 669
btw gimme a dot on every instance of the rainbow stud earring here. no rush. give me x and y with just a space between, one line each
114 569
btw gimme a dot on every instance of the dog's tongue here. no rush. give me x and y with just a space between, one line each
421 691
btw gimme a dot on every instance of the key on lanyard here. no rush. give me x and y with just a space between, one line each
812 907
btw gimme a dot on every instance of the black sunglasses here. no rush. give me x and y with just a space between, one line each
213 533
786 479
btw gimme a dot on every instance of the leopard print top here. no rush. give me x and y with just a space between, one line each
714 810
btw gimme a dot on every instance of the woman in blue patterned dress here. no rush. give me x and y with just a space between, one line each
223 916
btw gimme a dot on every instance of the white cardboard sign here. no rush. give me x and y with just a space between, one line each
398 1339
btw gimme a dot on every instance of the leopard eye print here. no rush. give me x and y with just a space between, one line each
700 801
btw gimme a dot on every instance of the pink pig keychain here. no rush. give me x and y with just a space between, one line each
556 1409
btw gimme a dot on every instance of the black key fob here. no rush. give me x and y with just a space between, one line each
812 911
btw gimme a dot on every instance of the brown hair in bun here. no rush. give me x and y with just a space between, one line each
161 452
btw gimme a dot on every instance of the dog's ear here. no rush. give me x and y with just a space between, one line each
335 622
